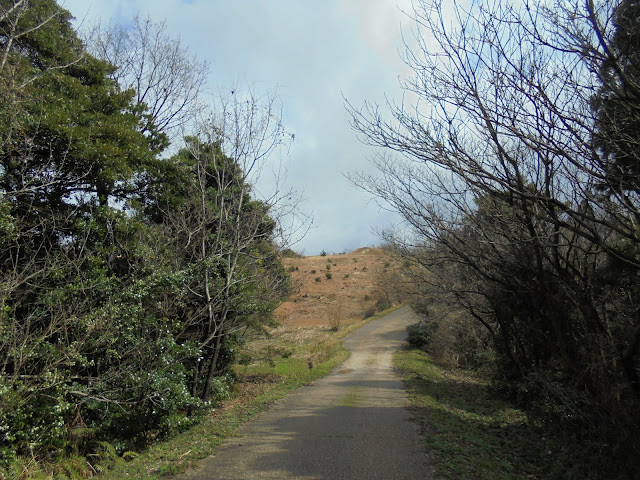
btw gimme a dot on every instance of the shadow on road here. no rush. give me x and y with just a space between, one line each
301 446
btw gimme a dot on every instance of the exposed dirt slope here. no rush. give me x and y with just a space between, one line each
357 287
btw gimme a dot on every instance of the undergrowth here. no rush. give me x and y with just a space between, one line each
471 432
277 365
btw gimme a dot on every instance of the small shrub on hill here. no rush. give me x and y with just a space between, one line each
382 304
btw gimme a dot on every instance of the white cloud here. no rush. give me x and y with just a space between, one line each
313 52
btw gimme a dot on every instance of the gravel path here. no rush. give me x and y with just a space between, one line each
350 425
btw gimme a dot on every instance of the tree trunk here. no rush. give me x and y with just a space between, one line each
212 368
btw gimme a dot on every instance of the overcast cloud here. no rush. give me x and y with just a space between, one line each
313 53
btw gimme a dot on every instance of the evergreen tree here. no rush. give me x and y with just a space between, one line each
72 330
126 280
617 104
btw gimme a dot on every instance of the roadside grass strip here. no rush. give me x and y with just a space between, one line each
471 432
183 451
259 386
283 361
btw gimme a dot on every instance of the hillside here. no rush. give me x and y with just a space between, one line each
356 288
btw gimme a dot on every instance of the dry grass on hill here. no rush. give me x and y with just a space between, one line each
320 309
341 288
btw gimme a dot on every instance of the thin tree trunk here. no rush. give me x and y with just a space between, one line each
212 368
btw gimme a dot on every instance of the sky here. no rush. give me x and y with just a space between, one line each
314 54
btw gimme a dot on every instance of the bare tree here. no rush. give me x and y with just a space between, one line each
166 77
227 233
509 202
504 106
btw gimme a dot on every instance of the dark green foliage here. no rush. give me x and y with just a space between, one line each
618 121
382 304
419 334
369 312
289 253
128 280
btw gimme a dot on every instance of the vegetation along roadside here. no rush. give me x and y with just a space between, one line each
279 364
476 427
472 431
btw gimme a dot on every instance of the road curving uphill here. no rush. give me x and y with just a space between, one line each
352 424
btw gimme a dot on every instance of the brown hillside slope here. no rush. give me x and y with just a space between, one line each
359 285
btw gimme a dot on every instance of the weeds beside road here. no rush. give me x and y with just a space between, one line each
268 378
471 432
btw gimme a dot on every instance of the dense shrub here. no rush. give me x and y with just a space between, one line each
369 312
419 334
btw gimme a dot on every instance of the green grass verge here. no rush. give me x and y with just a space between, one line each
472 433
183 451
281 365
178 453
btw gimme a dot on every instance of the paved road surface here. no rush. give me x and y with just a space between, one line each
349 425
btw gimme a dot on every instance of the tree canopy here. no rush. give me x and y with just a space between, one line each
128 278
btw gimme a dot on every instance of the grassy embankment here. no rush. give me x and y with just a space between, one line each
280 363
471 432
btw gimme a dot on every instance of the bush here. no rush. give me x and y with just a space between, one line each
451 336
369 312
328 275
335 317
318 279
32 417
382 304
289 253
419 334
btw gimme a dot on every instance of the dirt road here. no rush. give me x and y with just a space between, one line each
350 425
